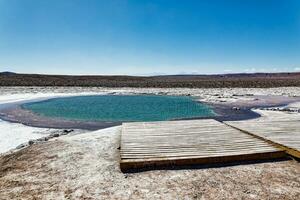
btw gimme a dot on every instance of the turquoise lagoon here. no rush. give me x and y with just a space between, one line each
118 108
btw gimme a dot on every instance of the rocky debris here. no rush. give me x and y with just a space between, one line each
44 139
162 93
21 146
31 142
236 108
283 109
68 131
52 135
241 95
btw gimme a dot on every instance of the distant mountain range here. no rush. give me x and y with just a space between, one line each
262 80
7 73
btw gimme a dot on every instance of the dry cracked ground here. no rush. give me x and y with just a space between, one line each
86 166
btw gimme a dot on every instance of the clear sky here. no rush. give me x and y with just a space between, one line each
143 37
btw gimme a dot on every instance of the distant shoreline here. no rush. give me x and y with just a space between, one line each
256 80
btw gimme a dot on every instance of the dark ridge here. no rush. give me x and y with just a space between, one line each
256 80
7 73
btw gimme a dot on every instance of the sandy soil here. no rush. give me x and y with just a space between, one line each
86 166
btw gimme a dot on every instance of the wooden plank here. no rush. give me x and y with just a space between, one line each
132 164
150 144
284 134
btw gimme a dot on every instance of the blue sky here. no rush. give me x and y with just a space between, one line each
141 37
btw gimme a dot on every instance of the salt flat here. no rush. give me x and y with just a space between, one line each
11 135
79 166
13 94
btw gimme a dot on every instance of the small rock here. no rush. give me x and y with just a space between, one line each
43 139
55 135
31 142
68 131
21 146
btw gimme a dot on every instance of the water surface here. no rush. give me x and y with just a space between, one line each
117 108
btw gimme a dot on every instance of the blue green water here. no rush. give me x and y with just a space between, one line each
121 108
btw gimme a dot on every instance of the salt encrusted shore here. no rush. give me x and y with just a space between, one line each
223 100
13 94
86 165
14 136
228 104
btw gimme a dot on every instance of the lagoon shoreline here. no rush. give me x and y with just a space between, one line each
234 107
230 104
15 113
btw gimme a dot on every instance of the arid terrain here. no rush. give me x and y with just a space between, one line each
85 165
258 80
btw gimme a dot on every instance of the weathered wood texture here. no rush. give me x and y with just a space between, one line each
151 144
284 133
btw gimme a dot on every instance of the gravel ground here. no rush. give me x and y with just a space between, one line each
86 166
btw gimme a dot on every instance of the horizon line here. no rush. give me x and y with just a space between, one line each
154 74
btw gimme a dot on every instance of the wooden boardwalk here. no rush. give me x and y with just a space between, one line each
155 144
284 133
